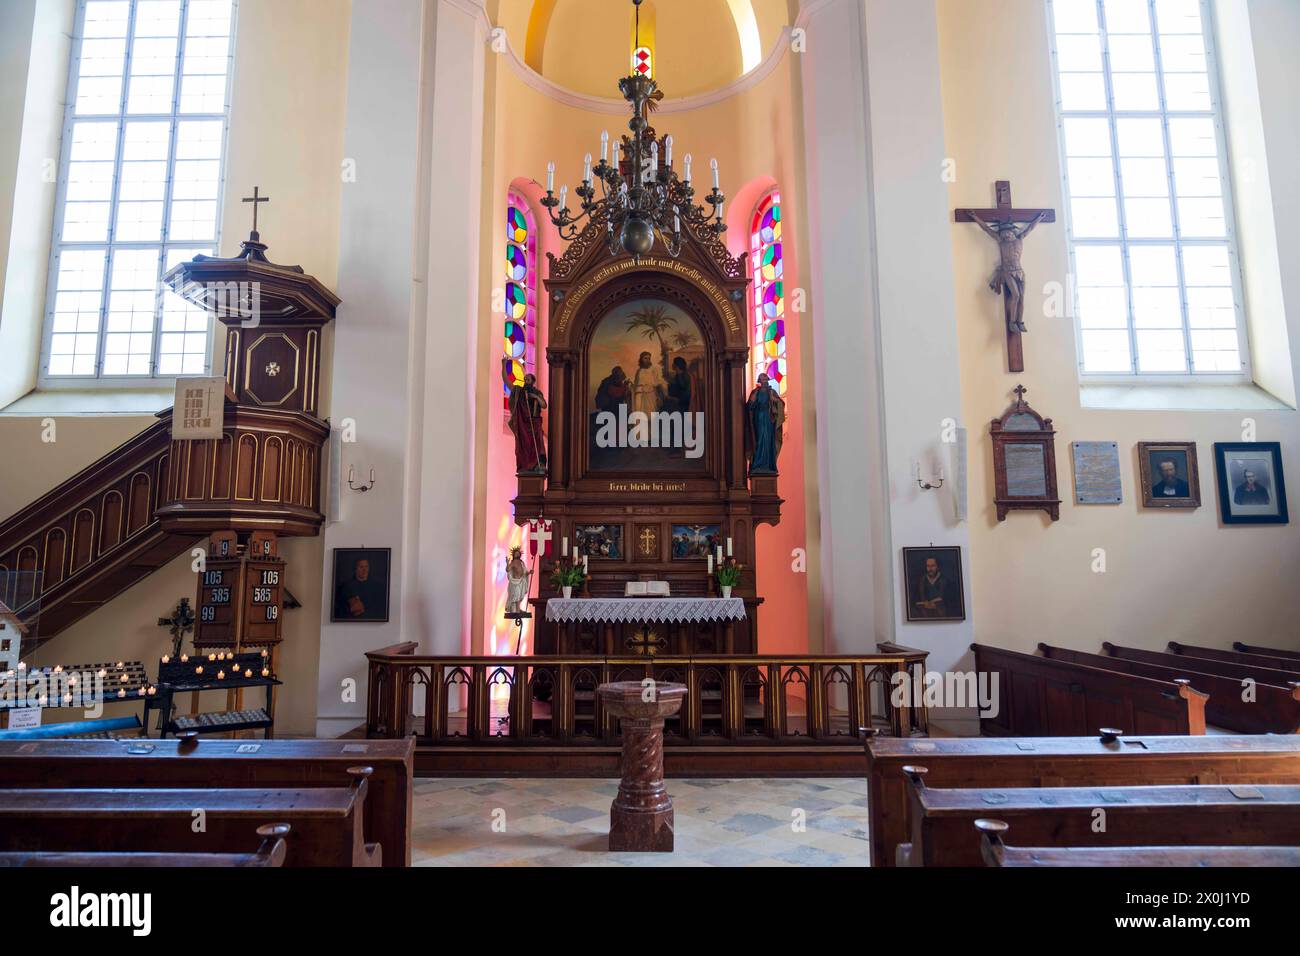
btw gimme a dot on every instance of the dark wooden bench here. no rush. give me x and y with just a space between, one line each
943 832
270 854
996 853
275 764
1274 660
1099 760
1040 697
1265 651
1239 666
326 822
1275 709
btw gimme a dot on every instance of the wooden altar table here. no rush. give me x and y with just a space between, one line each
678 616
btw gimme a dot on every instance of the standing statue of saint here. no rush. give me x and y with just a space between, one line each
764 419
526 406
517 580
1008 280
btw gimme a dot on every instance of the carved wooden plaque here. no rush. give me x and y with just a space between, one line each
1024 460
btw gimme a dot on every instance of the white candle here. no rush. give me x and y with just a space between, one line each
687 160
668 150
720 205
550 177
713 165
584 564
564 547
654 158
564 192
728 547
586 168
604 145
617 146
710 564
719 554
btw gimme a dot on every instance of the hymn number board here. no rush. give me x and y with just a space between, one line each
240 597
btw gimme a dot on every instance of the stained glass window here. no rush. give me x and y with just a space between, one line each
520 340
140 183
768 342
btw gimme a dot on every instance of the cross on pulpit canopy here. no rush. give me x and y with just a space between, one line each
1008 280
255 199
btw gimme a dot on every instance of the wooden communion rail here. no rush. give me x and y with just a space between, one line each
744 714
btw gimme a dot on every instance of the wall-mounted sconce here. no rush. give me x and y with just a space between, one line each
363 486
926 485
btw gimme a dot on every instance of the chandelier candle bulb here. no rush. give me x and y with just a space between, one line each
668 150
586 168
564 192
617 147
713 165
550 177
686 160
604 145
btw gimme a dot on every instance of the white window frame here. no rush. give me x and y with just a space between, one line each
46 381
1124 241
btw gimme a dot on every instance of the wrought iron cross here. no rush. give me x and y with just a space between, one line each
255 199
645 644
1009 279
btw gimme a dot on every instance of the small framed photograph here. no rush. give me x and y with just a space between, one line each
598 541
361 584
932 578
695 540
1251 487
1169 475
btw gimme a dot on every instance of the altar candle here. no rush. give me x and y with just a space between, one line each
719 555
710 563
604 145
564 547
584 564
728 547
550 177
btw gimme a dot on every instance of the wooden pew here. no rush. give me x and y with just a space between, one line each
996 853
270 854
1265 651
1042 697
943 832
326 822
1274 660
1106 760
1274 710
1240 666
275 764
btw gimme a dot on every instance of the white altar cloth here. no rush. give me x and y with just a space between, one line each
646 610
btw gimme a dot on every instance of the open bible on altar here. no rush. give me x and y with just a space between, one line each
646 589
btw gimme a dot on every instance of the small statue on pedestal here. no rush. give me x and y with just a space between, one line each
518 578
526 406
764 421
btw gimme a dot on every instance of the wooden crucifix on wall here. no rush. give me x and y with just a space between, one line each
1008 279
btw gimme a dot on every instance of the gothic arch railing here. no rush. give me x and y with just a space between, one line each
735 700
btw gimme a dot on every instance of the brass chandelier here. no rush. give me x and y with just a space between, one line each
640 192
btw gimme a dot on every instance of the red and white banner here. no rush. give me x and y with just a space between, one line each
540 537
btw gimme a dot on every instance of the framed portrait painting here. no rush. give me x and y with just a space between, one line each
362 577
1169 475
932 578
1251 487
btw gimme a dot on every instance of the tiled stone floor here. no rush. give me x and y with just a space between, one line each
566 823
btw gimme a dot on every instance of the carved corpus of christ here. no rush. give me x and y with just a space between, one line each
1008 279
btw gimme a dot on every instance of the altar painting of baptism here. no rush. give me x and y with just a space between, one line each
646 356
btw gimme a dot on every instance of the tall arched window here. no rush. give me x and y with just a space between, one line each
768 342
521 291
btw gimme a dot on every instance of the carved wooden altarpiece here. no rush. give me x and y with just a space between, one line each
689 314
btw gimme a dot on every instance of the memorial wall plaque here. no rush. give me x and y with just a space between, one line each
1024 460
1096 473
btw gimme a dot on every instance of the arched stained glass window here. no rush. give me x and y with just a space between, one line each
521 292
768 341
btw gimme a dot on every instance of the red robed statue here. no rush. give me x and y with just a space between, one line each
526 406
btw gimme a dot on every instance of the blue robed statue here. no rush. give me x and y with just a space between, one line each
764 419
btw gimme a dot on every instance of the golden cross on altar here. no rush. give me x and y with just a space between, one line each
646 644
255 199
647 541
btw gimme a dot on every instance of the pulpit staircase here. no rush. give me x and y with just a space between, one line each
89 538
152 498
